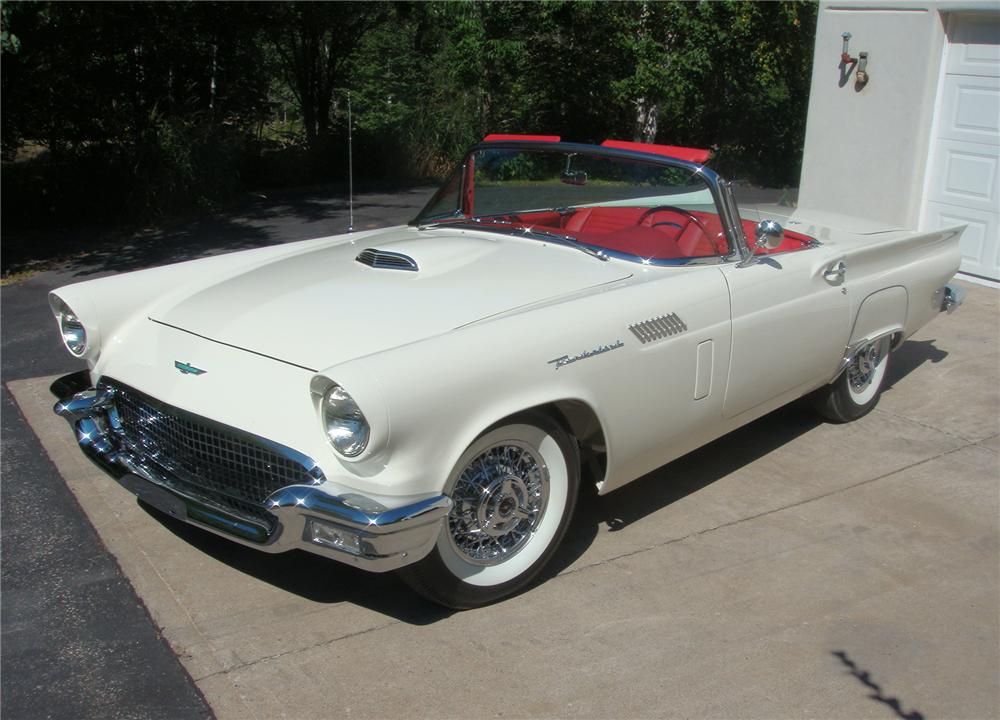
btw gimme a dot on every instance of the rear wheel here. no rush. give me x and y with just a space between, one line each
857 390
514 490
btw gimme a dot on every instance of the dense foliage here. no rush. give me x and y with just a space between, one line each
128 111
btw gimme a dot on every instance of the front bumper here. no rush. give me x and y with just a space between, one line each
346 527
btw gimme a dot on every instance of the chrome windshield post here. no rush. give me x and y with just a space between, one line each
731 215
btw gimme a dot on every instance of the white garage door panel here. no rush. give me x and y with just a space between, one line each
980 256
965 174
974 47
963 184
971 109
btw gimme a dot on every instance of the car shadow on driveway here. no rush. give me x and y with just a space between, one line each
326 581
911 355
702 467
310 576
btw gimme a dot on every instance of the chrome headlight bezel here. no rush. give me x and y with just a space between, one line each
344 424
74 334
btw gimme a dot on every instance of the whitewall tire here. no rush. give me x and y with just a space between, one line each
514 490
857 390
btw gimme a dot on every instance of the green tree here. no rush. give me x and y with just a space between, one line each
314 41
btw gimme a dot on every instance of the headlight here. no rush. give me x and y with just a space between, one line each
73 333
344 422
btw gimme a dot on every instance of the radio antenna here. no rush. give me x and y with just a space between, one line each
350 168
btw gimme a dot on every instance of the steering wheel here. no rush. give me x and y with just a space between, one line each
692 218
670 208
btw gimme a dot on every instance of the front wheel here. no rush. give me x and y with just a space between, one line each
856 392
514 490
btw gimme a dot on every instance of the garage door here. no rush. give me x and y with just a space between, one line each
965 153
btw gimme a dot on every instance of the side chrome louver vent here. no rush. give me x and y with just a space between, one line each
385 260
658 328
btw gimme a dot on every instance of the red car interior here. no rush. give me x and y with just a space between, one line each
657 232
659 235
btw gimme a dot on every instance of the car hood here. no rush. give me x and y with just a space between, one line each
320 307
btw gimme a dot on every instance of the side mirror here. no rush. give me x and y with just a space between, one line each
769 234
578 177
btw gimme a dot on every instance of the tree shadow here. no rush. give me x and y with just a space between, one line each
864 677
212 236
257 221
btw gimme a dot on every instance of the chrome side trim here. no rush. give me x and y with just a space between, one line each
953 297
385 260
389 538
851 350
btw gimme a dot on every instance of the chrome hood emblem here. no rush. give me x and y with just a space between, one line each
188 369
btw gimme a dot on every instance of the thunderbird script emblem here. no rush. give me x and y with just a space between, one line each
188 369
566 359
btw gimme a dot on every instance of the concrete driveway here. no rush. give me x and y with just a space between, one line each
792 569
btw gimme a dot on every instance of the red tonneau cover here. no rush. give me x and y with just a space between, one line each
696 155
532 138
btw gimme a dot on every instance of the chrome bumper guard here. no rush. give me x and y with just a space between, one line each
369 535
953 297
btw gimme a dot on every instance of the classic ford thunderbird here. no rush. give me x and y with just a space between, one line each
429 398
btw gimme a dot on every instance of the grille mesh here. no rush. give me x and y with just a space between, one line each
211 460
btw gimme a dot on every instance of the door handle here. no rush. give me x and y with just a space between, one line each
836 273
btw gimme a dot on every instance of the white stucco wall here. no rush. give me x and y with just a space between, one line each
866 150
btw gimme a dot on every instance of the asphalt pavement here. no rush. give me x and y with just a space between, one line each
77 642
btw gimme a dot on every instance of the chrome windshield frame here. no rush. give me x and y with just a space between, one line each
720 189
599 252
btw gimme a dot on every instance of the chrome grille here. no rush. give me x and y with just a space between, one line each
658 328
212 461
385 260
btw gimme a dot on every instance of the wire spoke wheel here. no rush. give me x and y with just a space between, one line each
856 391
513 491
499 499
865 373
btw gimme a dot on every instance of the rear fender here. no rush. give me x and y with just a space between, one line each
880 313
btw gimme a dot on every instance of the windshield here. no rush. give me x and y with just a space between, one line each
631 208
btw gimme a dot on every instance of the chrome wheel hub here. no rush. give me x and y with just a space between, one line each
861 370
499 499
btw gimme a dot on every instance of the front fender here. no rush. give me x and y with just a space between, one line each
443 391
435 397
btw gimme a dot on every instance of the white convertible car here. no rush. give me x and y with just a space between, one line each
428 398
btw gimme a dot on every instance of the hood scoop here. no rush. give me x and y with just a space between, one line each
385 260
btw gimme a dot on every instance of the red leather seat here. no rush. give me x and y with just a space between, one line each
603 219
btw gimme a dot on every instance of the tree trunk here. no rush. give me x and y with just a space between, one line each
647 116
647 110
211 83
